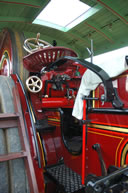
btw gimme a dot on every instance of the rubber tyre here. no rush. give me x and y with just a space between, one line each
13 178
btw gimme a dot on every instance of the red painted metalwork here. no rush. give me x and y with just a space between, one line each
52 141
84 144
108 126
108 129
57 103
39 59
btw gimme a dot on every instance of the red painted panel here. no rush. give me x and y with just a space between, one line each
57 103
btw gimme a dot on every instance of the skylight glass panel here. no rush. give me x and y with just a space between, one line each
62 12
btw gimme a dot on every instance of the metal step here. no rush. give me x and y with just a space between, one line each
42 126
67 180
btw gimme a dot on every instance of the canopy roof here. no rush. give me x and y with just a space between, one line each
106 23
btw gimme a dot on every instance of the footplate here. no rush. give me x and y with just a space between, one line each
67 180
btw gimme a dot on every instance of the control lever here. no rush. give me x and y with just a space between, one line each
97 148
117 103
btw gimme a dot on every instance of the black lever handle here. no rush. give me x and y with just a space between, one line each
97 148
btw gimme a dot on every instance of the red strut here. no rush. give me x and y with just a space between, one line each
84 143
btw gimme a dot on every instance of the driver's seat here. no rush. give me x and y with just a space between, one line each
43 57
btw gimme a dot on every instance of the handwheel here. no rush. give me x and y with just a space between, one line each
34 84
33 44
13 177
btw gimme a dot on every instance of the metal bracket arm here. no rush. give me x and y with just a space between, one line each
110 95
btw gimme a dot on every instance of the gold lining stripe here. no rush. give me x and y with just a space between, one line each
117 151
93 102
124 152
57 120
111 128
105 134
1 64
121 139
32 112
54 124
42 151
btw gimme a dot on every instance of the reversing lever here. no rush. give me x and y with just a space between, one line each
97 148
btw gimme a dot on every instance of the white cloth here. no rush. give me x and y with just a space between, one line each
90 81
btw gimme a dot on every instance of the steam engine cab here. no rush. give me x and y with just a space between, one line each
76 152
75 116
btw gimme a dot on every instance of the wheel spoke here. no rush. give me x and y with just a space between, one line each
32 80
33 45
38 86
30 84
33 88
37 81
